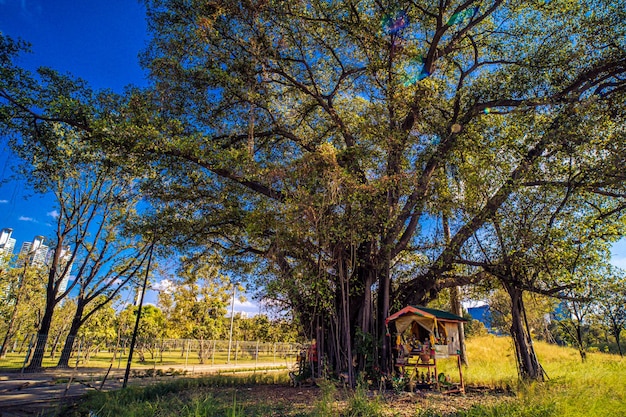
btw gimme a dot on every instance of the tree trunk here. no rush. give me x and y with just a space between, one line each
528 365
64 360
455 304
580 341
345 325
365 275
42 337
617 331
384 289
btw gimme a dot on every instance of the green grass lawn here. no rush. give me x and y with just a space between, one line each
594 388
15 361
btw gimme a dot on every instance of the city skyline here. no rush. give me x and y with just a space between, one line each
35 253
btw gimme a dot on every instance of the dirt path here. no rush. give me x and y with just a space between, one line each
29 394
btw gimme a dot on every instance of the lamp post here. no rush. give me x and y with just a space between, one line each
134 338
232 319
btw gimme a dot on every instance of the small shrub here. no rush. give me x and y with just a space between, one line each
361 405
325 406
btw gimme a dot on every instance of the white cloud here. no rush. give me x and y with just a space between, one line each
54 214
27 219
165 285
246 307
239 304
3 201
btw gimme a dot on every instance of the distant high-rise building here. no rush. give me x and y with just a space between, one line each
7 244
34 253
66 256
138 294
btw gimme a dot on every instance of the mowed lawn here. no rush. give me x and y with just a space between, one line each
594 388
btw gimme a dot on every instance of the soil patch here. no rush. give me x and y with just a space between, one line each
278 400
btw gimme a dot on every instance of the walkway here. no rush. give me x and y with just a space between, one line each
29 394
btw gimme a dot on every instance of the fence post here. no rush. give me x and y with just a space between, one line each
236 351
256 355
120 354
80 344
187 354
213 354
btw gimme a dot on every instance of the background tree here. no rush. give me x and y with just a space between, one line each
106 260
98 329
611 303
151 328
51 118
23 303
579 307
104 272
197 303
533 242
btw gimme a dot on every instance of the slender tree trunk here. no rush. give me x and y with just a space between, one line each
64 360
11 324
580 341
366 275
528 366
55 344
617 331
455 301
346 325
455 304
384 289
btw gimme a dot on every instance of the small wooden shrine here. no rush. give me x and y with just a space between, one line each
421 336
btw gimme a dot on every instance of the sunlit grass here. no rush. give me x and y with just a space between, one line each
182 397
596 387
15 361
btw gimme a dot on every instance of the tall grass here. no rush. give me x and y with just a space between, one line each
184 397
596 387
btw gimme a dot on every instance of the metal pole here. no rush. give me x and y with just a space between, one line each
232 318
134 338
187 354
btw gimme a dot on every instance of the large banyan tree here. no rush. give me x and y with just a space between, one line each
315 141
317 145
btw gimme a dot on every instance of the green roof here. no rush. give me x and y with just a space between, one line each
440 314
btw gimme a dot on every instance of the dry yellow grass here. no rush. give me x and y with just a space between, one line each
596 387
